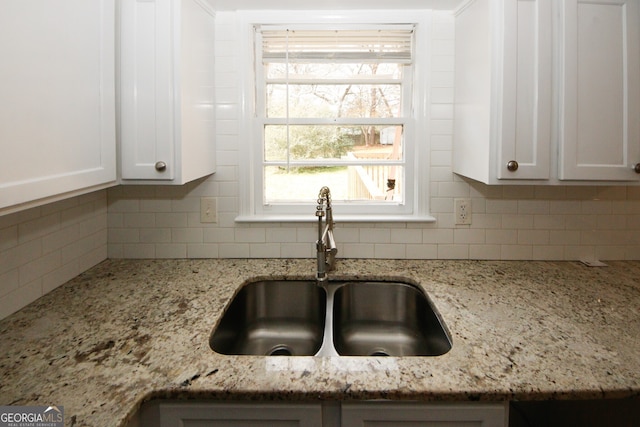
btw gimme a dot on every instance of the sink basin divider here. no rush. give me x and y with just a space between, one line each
327 348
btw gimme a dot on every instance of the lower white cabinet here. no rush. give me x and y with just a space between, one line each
323 414
241 414
391 414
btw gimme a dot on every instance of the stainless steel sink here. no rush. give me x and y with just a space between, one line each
273 318
386 319
349 318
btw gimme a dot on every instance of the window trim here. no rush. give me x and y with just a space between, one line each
415 209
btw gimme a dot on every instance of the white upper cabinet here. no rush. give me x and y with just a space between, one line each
547 92
600 95
503 90
167 118
524 146
57 100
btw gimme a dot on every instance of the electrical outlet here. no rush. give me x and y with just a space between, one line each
208 209
463 211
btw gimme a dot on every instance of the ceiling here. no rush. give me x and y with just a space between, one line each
333 4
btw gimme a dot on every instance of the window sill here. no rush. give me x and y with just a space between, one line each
337 218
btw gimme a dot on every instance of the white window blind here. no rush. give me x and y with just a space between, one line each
392 43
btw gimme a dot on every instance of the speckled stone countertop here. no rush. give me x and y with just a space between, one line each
131 330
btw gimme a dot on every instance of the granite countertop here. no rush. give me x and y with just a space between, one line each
131 330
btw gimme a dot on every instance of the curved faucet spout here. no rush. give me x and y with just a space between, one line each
325 245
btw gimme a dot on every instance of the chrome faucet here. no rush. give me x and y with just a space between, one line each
325 245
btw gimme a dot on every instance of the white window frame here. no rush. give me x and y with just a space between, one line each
416 137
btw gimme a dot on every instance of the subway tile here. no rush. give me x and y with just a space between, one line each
468 236
406 236
299 250
281 235
9 282
540 207
453 251
501 237
359 250
139 250
234 250
37 268
549 222
437 236
564 237
533 237
441 112
171 250
499 206
38 227
484 252
375 235
547 253
596 207
611 222
8 237
389 251
442 95
422 251
517 222
611 252
516 252
518 192
441 158
20 297
250 235
171 220
486 221
187 235
155 235
264 250
453 189
442 143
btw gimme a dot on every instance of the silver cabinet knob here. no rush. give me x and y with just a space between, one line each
512 166
161 166
636 168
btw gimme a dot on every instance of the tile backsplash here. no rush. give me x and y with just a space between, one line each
42 248
509 222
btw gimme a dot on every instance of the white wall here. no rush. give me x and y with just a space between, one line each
533 222
43 247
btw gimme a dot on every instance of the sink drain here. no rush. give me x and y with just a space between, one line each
379 353
280 350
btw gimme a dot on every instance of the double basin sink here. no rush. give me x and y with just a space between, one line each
346 318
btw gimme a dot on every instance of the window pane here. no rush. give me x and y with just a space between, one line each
334 71
337 100
382 184
315 142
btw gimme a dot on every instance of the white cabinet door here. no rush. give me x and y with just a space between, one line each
525 141
600 94
503 90
57 107
167 118
381 414
146 90
240 415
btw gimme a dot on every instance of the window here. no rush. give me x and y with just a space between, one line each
337 104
